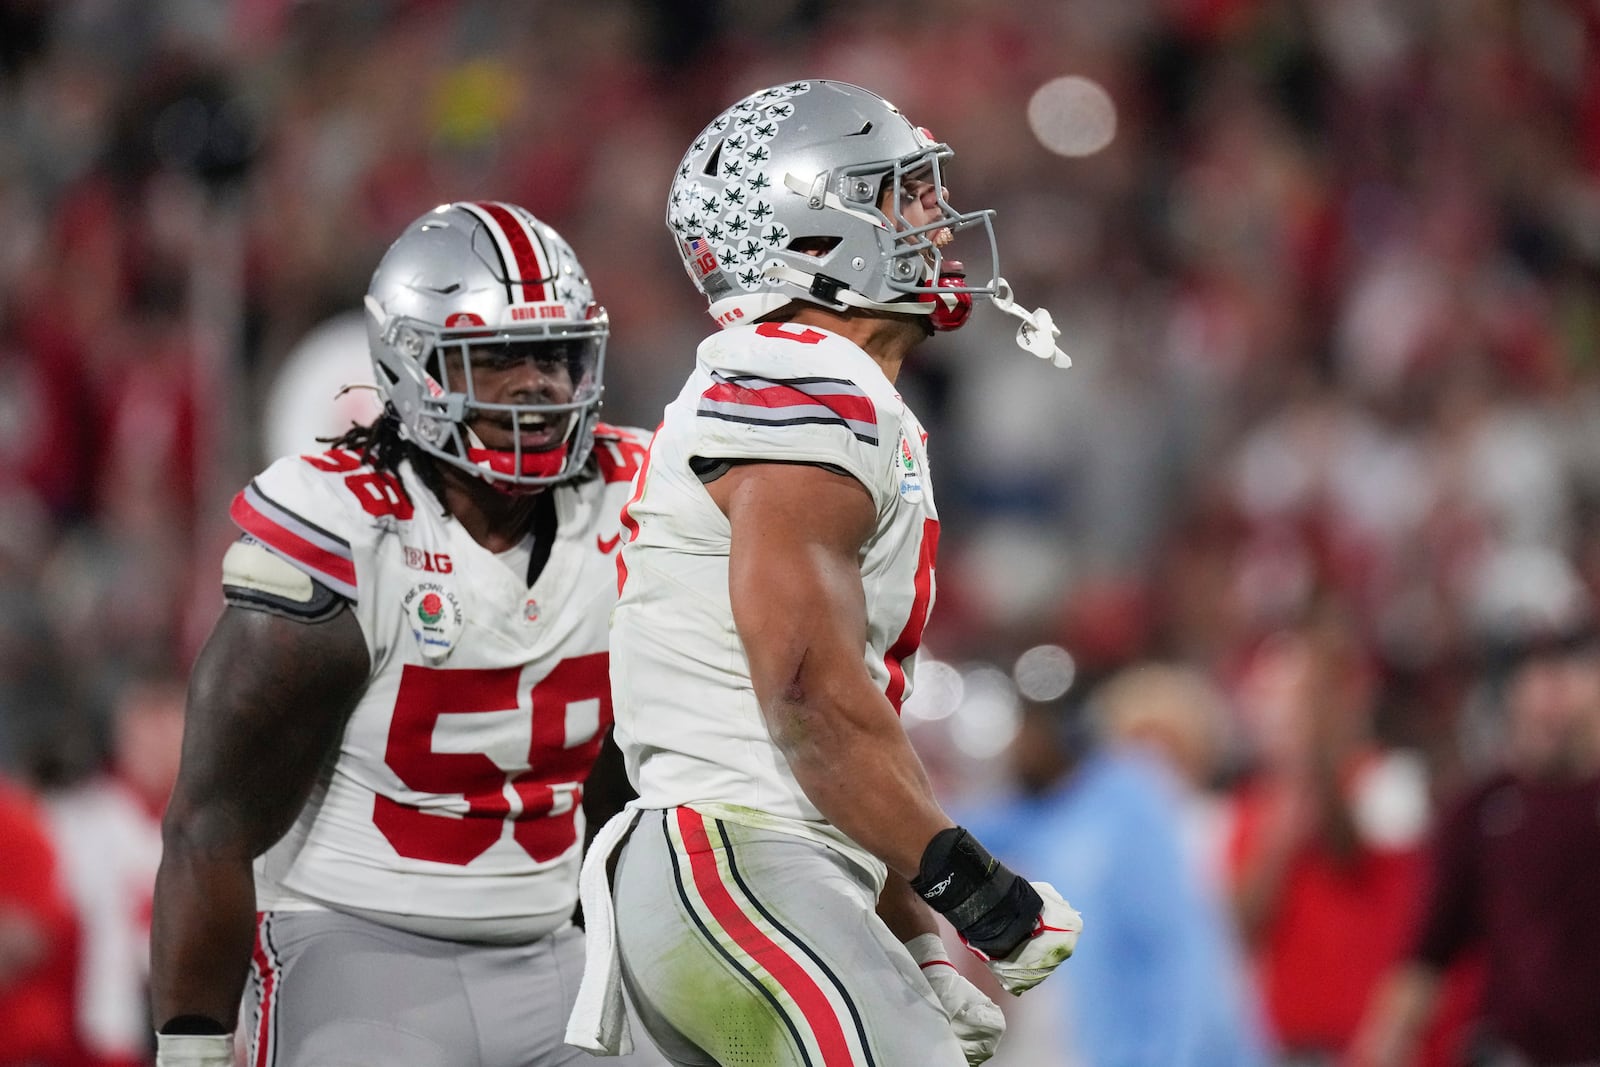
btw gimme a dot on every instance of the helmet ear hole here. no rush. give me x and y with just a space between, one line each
712 161
818 246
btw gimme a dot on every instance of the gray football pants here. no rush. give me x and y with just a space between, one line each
343 991
752 948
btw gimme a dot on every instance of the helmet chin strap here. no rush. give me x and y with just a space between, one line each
849 297
1038 331
1036 335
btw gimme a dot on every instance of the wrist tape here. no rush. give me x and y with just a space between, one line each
194 1050
992 908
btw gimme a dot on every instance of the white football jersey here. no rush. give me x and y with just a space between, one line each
687 717
452 806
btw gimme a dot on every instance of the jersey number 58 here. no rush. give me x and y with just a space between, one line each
571 710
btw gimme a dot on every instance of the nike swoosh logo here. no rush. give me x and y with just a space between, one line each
606 545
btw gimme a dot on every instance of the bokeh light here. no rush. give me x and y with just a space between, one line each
1072 116
938 692
989 716
1044 672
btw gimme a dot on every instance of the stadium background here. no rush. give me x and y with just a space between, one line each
1327 271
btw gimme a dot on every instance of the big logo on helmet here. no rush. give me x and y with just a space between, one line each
702 254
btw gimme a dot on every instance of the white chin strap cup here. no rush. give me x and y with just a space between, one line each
1038 331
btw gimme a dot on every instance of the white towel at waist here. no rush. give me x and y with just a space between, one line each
599 1020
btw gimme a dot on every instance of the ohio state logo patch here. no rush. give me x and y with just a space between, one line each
434 614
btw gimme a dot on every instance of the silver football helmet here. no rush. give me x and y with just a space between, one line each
782 197
487 282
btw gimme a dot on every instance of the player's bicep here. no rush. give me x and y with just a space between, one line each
268 699
794 571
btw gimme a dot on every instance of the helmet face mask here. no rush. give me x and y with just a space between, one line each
472 292
915 259
799 169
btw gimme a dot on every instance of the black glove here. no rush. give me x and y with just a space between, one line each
992 908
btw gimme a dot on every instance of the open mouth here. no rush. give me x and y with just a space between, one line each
529 432
936 242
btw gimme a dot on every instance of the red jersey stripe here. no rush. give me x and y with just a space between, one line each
910 638
630 523
778 396
338 571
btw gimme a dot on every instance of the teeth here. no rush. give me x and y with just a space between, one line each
532 421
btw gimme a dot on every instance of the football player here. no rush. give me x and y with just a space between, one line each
775 896
393 719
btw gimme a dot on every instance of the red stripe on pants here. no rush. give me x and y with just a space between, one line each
269 985
792 978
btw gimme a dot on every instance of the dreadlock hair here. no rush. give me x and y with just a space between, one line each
381 446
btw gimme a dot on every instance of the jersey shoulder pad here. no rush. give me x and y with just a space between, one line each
781 392
309 509
257 579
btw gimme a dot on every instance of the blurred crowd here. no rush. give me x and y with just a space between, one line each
1320 491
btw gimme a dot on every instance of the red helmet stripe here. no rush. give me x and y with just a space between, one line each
521 247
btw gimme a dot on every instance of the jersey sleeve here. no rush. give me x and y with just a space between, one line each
767 404
618 451
299 513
